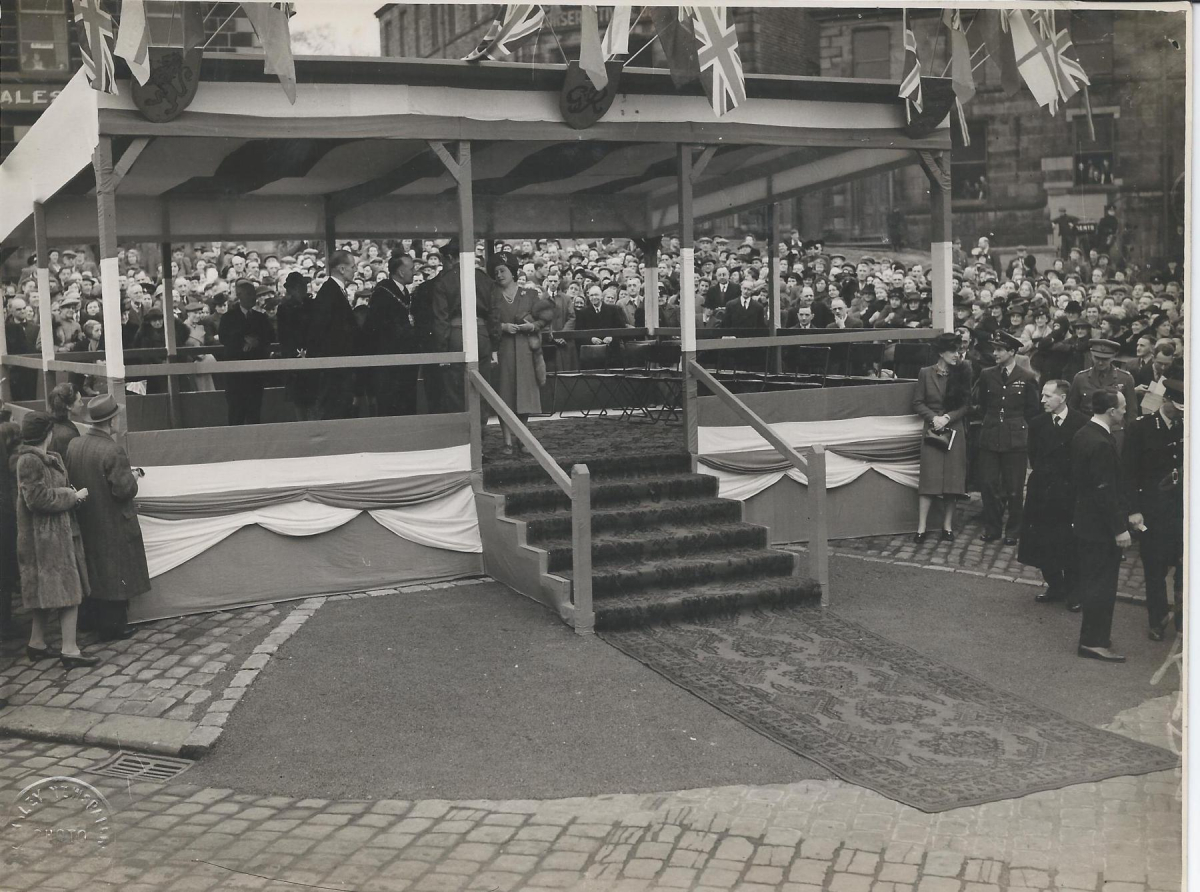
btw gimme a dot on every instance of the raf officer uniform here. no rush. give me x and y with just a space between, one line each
1008 399
1047 541
1153 466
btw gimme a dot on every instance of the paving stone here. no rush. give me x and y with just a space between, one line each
849 882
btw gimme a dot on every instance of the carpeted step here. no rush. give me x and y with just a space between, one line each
634 547
740 564
544 526
671 605
510 471
547 496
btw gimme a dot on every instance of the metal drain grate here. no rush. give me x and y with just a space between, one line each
136 766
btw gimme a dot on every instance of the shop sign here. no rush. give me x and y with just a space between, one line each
28 97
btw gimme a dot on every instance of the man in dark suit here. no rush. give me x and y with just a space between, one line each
245 333
597 314
331 332
744 312
1047 541
1153 473
1100 522
720 293
1008 401
390 329
445 299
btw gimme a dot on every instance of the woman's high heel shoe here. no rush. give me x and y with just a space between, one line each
36 654
78 662
947 535
919 537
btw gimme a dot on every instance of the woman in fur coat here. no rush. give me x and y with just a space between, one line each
49 546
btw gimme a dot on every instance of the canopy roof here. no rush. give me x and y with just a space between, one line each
241 162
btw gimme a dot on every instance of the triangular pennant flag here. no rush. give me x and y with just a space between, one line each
960 56
512 23
910 81
616 38
1036 57
271 25
591 58
993 31
677 37
95 29
193 25
720 64
133 43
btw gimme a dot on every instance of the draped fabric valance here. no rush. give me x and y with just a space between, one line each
840 432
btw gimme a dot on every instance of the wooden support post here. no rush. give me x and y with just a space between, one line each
581 549
5 371
687 296
818 543
650 287
775 272
110 284
329 218
45 318
937 170
466 287
174 408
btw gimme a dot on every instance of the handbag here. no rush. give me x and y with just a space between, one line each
942 439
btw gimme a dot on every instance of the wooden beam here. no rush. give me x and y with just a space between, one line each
174 408
454 165
936 168
460 167
584 616
45 317
129 158
110 286
329 220
818 541
775 272
941 238
687 298
702 162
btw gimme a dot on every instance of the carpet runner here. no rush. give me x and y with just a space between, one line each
878 714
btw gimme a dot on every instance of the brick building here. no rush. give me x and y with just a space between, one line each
1024 166
39 51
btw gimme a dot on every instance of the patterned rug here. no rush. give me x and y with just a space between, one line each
878 714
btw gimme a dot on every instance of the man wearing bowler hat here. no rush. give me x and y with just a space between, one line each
112 537
1008 401
1153 475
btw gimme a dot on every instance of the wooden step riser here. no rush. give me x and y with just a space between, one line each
621 582
509 473
613 494
661 545
614 616
545 529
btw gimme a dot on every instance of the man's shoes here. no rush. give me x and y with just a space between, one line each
989 537
1010 540
119 635
1155 633
1074 606
1046 596
1158 630
1100 653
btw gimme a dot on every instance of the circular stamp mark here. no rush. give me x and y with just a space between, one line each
58 816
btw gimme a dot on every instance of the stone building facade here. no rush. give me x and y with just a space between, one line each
1024 167
39 52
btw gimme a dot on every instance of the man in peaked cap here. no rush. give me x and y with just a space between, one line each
1008 400
1104 374
1153 477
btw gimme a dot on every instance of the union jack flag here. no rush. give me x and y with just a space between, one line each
514 22
910 84
720 64
96 33
1070 72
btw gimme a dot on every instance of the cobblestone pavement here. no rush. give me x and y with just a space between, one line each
1119 835
966 554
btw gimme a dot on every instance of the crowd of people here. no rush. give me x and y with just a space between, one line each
1028 334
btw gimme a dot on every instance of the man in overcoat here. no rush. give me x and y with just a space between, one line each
1153 467
1008 401
112 537
245 334
1100 521
390 329
331 332
1103 375
1047 541
445 297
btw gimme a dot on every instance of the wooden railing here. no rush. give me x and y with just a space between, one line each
811 464
578 488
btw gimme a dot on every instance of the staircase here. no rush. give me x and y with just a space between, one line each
664 545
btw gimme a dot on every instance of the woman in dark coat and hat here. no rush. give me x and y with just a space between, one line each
116 557
49 548
942 399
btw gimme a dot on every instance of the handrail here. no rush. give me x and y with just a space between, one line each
178 366
813 469
578 488
817 337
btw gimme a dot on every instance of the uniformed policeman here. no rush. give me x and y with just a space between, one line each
1153 459
1103 375
1008 400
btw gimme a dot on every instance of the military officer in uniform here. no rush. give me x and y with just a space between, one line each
1153 465
1008 399
1103 375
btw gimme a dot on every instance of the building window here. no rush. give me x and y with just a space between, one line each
42 26
871 53
968 164
1095 160
1092 34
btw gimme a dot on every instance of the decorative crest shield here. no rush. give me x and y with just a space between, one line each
582 105
938 95
174 79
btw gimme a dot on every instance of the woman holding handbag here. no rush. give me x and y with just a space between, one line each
942 399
